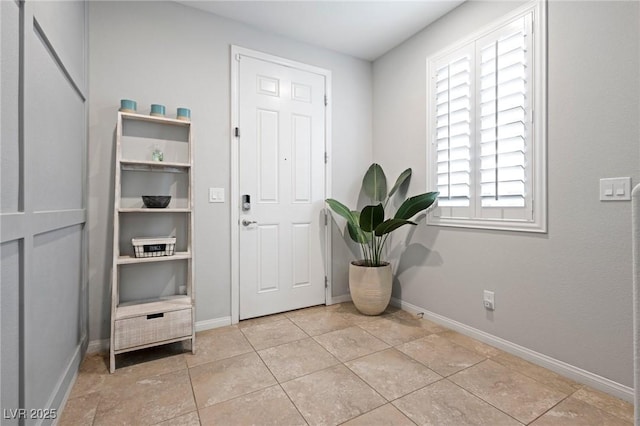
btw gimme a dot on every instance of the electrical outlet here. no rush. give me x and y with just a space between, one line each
489 300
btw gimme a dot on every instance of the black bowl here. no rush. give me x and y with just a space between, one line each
156 201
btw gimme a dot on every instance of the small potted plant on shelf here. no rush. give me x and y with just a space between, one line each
370 278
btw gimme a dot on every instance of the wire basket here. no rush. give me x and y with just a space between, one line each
154 247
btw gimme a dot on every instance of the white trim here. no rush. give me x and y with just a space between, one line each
635 251
575 373
212 323
235 191
539 108
539 6
69 376
65 398
236 51
540 119
328 269
493 224
340 299
98 346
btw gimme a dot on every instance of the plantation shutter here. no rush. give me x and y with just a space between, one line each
486 153
453 102
504 120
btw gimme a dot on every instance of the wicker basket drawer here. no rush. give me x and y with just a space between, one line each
145 329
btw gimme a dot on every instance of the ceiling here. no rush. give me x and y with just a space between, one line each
363 29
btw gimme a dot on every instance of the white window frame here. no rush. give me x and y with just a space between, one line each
536 144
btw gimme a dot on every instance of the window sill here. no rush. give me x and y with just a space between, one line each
488 224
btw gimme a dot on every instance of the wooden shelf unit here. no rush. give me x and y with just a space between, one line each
153 119
159 319
154 166
147 210
128 260
150 306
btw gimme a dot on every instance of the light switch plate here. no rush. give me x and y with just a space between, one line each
615 189
216 195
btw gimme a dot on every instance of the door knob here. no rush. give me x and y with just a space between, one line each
246 222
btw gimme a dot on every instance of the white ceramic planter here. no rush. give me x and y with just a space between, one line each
370 287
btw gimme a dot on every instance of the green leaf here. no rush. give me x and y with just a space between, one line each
357 234
403 176
370 217
413 205
375 183
353 219
341 209
391 225
356 216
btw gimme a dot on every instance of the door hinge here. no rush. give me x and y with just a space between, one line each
238 57
326 158
326 282
237 132
326 218
326 100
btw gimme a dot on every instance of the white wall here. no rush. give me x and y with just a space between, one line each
161 52
565 294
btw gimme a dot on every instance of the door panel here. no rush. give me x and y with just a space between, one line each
268 259
281 154
301 255
302 140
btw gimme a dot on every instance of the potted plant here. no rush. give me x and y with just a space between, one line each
370 278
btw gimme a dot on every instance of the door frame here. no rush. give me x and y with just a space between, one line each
236 53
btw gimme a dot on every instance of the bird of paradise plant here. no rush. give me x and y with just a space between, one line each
369 227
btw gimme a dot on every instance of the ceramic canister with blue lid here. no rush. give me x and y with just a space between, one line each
127 105
184 114
157 110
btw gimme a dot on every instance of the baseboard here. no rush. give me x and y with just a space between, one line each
65 384
575 373
340 299
98 346
213 323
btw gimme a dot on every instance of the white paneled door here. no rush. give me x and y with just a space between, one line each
282 187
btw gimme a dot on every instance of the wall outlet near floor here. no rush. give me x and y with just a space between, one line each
489 300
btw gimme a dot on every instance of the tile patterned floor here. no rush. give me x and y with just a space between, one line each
329 366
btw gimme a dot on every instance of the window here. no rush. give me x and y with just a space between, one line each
486 127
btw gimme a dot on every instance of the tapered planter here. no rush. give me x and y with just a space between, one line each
370 287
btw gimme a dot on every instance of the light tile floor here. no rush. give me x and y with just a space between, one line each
329 365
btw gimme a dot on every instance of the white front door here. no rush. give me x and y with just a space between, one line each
282 186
